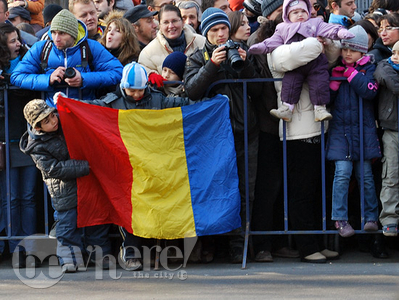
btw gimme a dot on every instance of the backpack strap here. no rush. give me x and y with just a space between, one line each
45 54
85 53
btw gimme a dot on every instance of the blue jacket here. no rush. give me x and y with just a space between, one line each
107 69
343 135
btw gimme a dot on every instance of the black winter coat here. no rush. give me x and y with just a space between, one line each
201 73
50 154
388 80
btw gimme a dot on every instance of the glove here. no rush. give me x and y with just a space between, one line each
336 72
345 34
350 73
55 97
259 48
156 79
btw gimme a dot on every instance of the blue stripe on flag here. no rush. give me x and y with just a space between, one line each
212 166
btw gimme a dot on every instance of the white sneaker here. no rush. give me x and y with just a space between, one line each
68 268
283 112
132 264
321 114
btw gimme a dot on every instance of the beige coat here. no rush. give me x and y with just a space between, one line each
290 57
153 55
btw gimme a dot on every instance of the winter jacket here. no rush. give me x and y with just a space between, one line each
50 154
107 70
153 55
388 85
343 136
288 58
35 8
380 51
17 99
342 20
268 99
152 99
200 73
313 27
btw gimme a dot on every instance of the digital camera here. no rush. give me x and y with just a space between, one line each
233 57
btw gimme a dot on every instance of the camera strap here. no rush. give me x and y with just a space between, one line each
206 55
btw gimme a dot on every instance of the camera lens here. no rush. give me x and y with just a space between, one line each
69 73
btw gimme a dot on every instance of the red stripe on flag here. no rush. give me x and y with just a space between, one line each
104 196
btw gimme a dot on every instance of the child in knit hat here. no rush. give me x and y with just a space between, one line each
298 25
387 76
343 144
173 70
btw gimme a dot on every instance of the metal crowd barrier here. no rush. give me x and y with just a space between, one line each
286 231
248 231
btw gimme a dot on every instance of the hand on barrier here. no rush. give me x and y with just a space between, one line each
350 73
156 79
336 72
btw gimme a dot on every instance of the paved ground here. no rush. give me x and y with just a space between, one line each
355 275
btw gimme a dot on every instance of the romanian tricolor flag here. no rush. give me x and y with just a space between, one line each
162 174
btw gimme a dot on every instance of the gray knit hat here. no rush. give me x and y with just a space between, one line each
359 43
66 22
269 6
36 110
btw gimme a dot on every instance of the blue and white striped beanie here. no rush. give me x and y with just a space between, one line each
213 16
134 76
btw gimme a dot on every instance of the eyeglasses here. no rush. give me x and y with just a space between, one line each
316 6
173 22
387 29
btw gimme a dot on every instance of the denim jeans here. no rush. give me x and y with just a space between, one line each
69 238
343 172
23 203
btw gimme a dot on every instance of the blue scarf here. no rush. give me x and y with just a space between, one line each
13 63
394 66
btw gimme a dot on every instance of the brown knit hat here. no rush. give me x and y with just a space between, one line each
36 110
66 22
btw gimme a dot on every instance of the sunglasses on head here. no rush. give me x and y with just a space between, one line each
316 6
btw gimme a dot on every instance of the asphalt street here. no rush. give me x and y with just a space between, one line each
356 275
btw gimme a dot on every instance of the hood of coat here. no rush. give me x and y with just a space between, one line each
287 4
82 34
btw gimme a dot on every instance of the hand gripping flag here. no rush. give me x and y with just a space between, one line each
162 174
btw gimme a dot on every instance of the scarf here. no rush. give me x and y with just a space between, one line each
394 66
178 44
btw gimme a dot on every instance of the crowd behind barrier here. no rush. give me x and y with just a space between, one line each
325 219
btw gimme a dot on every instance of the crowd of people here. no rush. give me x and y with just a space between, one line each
159 54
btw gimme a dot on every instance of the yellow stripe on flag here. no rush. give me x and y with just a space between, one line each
161 199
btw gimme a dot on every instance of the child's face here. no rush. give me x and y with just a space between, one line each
169 75
350 56
135 94
298 15
49 124
395 56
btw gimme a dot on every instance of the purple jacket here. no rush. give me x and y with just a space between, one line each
313 27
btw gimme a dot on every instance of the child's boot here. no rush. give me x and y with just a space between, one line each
284 112
321 113
344 228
